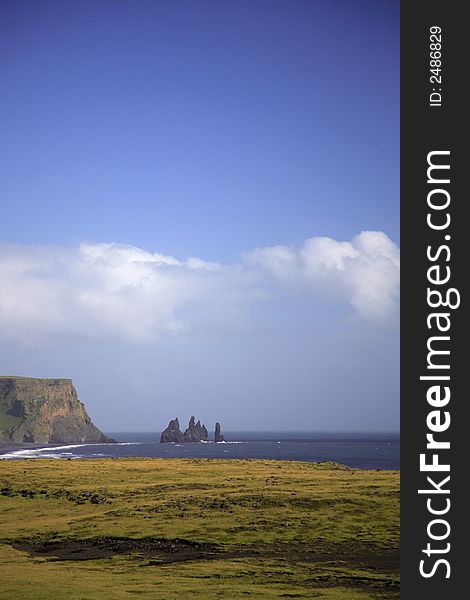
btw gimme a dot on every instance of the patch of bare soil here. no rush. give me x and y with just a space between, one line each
341 554
353 564
105 547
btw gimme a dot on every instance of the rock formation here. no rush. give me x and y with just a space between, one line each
172 433
44 411
196 432
218 437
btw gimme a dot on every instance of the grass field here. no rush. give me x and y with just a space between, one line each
171 528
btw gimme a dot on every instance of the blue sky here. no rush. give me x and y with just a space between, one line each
198 127
203 129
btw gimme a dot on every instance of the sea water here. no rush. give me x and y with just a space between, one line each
360 450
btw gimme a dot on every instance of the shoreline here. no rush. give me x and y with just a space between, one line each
364 454
324 464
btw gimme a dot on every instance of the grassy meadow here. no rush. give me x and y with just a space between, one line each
169 528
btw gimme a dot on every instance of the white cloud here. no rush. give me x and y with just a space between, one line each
364 272
281 261
114 291
322 256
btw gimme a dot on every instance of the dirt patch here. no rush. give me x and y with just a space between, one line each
344 564
105 547
342 554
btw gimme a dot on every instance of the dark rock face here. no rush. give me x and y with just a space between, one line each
44 411
172 433
218 437
195 432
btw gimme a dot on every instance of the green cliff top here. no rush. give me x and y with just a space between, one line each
23 378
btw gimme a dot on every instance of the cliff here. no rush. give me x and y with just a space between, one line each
44 411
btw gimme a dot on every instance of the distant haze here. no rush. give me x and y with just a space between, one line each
200 210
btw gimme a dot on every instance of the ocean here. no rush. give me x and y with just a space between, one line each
360 450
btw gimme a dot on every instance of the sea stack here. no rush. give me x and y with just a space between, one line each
44 411
196 432
218 437
172 433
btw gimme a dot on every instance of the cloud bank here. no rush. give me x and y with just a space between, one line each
119 292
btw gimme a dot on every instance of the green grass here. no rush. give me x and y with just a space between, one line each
7 422
257 530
